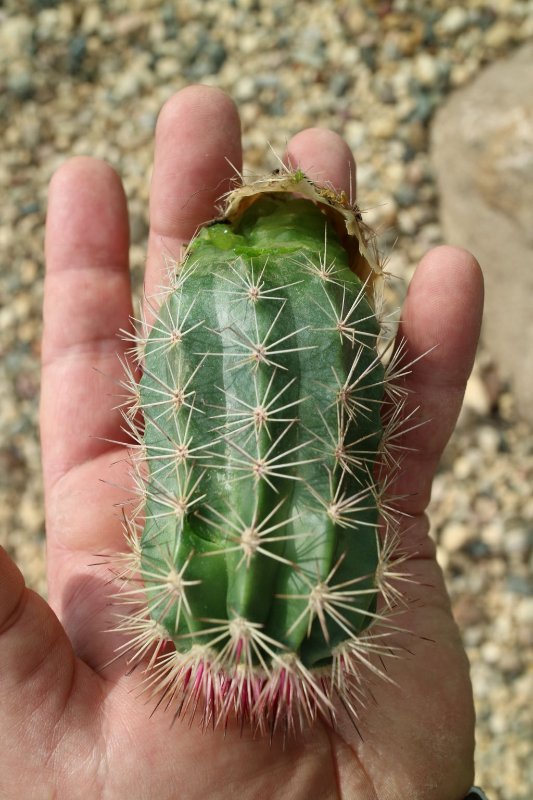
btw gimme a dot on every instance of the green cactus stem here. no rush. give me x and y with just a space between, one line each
261 573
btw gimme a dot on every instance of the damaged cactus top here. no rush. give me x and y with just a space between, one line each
262 394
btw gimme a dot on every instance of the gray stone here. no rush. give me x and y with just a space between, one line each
482 148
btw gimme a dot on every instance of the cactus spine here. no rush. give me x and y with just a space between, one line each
259 582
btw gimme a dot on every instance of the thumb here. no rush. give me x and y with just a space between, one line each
37 662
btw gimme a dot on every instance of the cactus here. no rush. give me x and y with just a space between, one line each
261 583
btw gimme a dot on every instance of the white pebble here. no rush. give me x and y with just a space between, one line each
454 20
455 536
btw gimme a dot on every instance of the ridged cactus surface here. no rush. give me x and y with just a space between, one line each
261 559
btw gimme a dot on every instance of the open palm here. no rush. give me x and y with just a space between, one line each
71 730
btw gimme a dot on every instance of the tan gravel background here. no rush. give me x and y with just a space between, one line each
89 78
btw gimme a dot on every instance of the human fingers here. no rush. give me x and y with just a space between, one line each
197 155
37 668
437 341
324 157
87 300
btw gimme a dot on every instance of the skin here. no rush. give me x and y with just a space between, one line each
72 730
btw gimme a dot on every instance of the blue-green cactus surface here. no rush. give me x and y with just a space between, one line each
262 395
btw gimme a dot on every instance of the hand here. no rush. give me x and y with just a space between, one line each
72 731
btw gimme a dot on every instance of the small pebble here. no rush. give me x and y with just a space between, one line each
455 536
453 21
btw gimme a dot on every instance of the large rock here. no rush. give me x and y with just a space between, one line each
483 155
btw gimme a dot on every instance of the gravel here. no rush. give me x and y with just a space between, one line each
89 78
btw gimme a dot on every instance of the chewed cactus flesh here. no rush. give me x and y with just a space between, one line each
260 576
